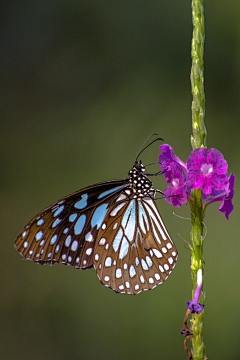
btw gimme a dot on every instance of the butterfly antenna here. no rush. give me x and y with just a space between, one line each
156 162
140 151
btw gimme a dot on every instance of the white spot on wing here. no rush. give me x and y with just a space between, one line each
102 241
157 276
118 273
39 235
96 257
161 268
53 239
132 271
166 267
74 245
89 237
57 249
108 261
89 251
104 226
157 253
68 241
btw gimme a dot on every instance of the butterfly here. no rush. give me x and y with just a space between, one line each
113 226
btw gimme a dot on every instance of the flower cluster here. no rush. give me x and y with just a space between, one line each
205 169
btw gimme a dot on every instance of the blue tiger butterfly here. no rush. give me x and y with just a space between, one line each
113 226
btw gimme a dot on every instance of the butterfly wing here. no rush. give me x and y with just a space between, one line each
66 231
133 251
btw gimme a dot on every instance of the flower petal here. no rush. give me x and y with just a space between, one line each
215 157
168 157
195 179
175 196
196 159
207 184
219 182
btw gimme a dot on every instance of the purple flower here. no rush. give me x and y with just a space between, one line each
194 306
168 160
225 197
176 193
226 203
207 169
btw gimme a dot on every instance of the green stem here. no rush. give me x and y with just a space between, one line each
197 262
197 78
198 139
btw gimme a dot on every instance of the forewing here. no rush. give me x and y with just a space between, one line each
66 231
134 251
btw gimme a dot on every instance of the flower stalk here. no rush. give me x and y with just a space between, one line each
198 139
202 180
199 136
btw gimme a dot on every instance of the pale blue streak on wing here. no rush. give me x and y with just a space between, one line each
81 204
73 217
56 222
105 193
149 261
59 210
144 264
130 207
124 248
117 240
99 215
142 215
130 227
78 227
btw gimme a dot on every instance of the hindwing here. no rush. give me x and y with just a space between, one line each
134 251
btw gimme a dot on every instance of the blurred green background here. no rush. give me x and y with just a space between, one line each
83 83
